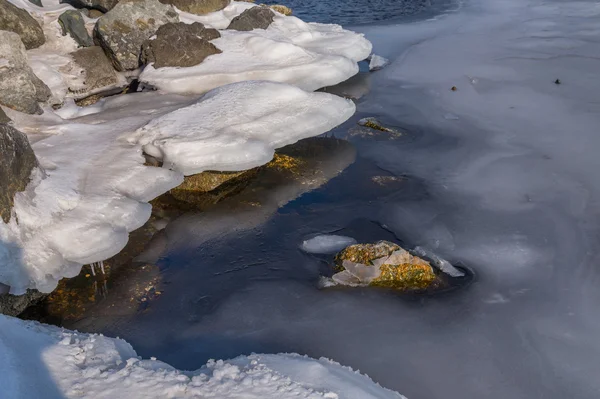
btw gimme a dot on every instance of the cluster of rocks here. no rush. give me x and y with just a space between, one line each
126 35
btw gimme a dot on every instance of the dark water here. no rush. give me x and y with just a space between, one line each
355 12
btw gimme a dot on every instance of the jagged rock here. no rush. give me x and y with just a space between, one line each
180 45
20 89
101 5
98 71
19 21
198 7
122 31
14 305
281 9
383 264
3 117
72 23
259 17
17 160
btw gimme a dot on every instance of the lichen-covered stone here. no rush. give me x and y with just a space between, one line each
259 17
19 21
122 31
198 7
281 9
20 89
180 45
17 161
72 23
365 253
101 5
98 71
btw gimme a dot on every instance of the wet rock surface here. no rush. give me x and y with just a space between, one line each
122 31
180 45
100 5
259 17
20 88
19 21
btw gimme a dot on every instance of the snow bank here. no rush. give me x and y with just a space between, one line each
307 55
96 187
43 361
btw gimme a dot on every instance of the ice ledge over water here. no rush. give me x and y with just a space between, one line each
96 187
43 361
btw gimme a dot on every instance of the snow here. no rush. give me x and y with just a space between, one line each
377 62
266 116
44 361
327 244
96 187
307 55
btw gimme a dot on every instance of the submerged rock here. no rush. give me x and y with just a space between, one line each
198 7
20 89
101 5
72 23
19 21
384 264
372 128
259 17
97 69
17 161
180 45
122 31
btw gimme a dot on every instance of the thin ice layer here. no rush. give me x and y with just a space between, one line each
267 116
327 244
307 55
37 361
96 188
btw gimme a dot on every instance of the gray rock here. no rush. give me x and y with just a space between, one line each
15 19
3 117
198 7
101 5
122 31
14 305
180 45
20 89
17 160
259 17
95 14
37 3
72 23
98 70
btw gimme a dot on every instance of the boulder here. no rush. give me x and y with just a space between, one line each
101 5
198 7
122 31
259 17
3 117
180 45
98 71
20 89
281 9
17 160
72 23
19 21
384 264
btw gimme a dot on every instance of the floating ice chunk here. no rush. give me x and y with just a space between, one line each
346 278
365 274
438 262
377 62
327 244
242 125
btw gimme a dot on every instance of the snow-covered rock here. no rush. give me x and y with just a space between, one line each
40 361
253 18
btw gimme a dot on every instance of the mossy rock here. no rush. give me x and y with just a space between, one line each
365 253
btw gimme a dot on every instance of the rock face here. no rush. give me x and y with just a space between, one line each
383 264
198 7
101 5
72 23
14 305
19 21
3 117
259 17
99 72
180 45
122 31
20 89
17 160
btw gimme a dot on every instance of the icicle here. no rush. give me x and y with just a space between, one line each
92 266
102 267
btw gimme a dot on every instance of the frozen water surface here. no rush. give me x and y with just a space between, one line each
500 175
